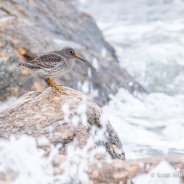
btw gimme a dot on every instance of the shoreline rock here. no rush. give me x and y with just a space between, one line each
119 171
64 118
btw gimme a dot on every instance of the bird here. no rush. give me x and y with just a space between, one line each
53 64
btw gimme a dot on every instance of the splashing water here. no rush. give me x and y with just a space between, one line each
148 38
21 162
153 126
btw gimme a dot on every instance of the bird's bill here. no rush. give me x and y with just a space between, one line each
78 57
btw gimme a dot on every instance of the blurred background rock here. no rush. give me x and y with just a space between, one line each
31 28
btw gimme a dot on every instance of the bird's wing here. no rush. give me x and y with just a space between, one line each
47 61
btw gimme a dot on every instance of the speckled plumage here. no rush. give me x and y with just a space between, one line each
54 64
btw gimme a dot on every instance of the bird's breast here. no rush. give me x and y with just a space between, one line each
62 68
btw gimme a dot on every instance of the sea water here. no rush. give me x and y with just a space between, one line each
149 40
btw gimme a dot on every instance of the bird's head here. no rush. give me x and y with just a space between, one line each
71 54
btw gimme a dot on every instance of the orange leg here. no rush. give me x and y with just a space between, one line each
54 85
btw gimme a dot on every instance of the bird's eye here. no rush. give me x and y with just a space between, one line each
72 52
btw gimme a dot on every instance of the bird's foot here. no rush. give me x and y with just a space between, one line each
58 88
54 85
59 85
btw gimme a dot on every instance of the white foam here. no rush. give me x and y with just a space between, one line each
152 125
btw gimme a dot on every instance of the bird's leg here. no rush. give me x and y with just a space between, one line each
54 85
59 84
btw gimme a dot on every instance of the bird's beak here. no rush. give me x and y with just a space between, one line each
78 57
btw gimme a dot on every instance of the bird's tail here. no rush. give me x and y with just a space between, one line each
29 65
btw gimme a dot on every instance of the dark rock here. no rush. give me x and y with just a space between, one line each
31 28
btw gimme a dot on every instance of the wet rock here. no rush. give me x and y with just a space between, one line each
61 119
119 171
31 28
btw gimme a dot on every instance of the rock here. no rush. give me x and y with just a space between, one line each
63 118
168 169
29 29
124 171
